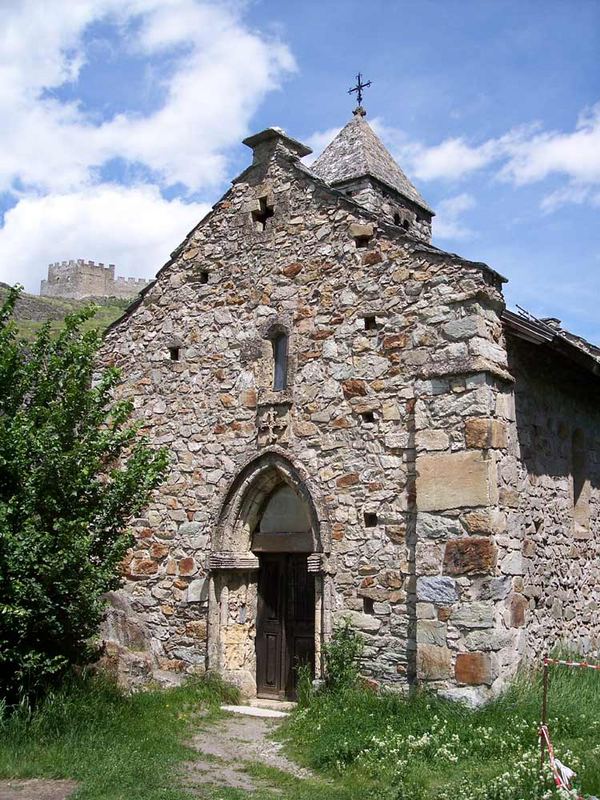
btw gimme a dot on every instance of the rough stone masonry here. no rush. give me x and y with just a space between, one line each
446 450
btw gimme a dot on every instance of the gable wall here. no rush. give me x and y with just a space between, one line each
425 374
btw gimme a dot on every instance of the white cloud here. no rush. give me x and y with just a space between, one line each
452 159
220 78
134 228
575 155
51 150
318 141
523 155
447 223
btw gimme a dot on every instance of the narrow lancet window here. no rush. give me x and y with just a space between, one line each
280 362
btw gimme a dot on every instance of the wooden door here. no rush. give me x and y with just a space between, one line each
285 629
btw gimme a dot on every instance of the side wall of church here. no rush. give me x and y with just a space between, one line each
554 522
397 362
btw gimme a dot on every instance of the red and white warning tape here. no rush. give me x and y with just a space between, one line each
564 663
562 775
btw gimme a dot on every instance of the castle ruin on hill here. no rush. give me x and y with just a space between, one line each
79 279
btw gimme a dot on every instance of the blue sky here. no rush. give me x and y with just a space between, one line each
122 122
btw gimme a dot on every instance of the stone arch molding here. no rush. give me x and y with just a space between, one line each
246 495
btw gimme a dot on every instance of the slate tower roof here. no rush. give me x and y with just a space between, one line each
357 152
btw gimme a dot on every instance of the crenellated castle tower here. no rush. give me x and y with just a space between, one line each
79 279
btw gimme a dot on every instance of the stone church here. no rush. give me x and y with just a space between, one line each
358 429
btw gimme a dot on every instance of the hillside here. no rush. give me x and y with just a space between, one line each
32 311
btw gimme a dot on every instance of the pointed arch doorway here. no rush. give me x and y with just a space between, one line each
270 578
285 621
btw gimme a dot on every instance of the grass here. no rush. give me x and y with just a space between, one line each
105 315
423 747
117 747
358 744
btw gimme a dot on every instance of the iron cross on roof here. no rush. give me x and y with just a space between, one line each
358 89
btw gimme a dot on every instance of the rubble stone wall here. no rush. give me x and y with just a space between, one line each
397 407
558 597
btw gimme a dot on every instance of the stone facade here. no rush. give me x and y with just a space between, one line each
78 280
438 496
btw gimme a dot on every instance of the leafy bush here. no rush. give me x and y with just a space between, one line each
73 469
342 656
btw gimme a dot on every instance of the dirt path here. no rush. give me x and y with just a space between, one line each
36 790
226 748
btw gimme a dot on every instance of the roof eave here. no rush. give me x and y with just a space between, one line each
536 332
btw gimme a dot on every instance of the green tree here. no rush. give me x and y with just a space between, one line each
73 470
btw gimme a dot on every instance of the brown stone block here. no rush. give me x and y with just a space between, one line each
292 269
394 341
187 566
517 606
341 422
392 579
473 669
528 548
397 533
443 613
321 333
350 479
305 429
171 566
140 567
248 398
434 663
191 253
358 231
509 497
371 258
483 433
472 556
196 629
337 532
158 550
354 388
477 522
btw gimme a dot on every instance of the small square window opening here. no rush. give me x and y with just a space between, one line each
368 416
371 323
362 241
204 276
174 353
370 519
368 605
262 214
